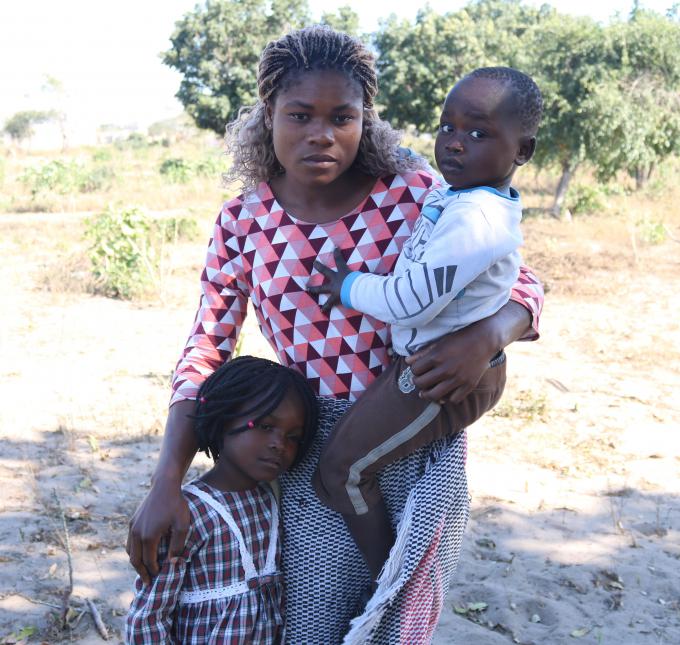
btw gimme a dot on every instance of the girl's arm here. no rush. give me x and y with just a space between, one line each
150 618
218 322
451 367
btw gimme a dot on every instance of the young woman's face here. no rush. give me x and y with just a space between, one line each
264 451
317 126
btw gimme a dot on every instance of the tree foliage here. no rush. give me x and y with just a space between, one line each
611 91
217 46
20 125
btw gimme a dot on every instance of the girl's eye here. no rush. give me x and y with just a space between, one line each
298 116
477 134
265 426
446 128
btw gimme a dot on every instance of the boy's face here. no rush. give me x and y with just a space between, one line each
479 143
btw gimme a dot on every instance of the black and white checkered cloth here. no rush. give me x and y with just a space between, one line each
427 497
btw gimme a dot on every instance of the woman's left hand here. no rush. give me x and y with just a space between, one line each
450 368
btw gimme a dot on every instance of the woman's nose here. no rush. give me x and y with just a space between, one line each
321 133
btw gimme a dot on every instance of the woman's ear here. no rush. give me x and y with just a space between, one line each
527 147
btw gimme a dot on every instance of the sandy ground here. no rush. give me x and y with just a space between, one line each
575 528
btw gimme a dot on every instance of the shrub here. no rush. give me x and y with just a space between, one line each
123 261
174 229
585 199
65 177
176 170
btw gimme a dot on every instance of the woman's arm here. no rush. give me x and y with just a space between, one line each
164 510
451 367
213 336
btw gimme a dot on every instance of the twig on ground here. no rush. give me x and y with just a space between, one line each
96 617
35 601
67 547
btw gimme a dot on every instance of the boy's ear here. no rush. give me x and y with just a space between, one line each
526 149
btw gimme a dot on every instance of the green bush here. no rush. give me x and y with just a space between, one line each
65 177
123 261
174 229
176 170
102 154
585 199
652 231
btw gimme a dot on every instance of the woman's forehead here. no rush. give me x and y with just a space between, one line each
325 84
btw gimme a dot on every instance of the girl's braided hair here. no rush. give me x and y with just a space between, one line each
249 141
246 386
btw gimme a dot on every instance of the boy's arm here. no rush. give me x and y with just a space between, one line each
463 244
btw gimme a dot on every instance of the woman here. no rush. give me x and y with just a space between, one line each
320 171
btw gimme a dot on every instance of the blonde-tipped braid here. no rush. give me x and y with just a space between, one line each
249 138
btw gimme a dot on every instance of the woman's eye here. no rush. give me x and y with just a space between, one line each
344 118
446 128
477 134
298 116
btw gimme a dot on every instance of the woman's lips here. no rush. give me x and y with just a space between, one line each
319 160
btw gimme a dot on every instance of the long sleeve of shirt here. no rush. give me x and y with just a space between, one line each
220 316
464 252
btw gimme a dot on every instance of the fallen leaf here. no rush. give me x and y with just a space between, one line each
580 633
477 606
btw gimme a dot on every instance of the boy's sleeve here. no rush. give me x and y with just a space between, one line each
463 244
221 312
528 292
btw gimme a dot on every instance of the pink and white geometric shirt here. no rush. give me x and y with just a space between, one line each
260 252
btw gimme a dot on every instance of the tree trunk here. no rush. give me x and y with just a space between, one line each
568 168
642 176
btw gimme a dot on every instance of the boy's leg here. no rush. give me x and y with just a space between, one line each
389 422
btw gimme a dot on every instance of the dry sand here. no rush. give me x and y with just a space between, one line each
575 528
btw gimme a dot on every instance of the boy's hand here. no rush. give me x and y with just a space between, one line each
333 283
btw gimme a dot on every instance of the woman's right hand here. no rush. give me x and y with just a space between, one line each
164 511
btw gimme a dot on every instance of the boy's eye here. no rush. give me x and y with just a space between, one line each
477 134
446 128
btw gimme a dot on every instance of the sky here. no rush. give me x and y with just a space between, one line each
106 54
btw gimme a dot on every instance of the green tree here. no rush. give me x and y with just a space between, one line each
217 46
572 57
419 62
20 125
344 19
648 114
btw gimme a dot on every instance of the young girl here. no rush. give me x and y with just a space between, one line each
256 419
320 170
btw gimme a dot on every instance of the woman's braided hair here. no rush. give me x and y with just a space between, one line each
248 386
249 140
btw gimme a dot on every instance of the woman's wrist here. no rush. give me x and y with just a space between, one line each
178 447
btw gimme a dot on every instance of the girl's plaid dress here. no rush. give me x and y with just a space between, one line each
177 606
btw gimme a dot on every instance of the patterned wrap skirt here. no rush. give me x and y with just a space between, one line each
427 497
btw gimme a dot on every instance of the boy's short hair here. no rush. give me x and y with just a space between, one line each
527 102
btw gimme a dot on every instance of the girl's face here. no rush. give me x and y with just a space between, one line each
264 451
317 127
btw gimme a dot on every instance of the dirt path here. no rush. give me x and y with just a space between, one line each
575 528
